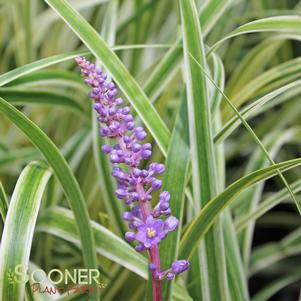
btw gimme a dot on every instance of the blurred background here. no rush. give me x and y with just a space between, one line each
56 100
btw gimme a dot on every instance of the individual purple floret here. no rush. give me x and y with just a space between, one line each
135 185
151 232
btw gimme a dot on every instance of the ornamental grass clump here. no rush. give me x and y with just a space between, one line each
135 185
205 82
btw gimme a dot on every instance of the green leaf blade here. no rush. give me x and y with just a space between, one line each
204 179
117 70
202 223
19 227
65 176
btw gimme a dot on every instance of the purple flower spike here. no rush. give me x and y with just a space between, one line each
134 184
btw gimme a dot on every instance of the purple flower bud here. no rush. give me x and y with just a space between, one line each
128 202
115 171
119 101
152 267
146 154
114 158
157 168
132 226
147 146
119 153
127 216
156 213
104 131
156 184
128 118
136 147
144 173
179 266
126 110
106 148
170 276
112 93
129 236
136 211
112 111
128 161
97 106
140 135
121 175
138 129
114 127
121 193
139 248
136 223
135 196
166 212
171 223
79 60
90 67
164 205
127 139
111 85
101 119
164 196
136 172
130 125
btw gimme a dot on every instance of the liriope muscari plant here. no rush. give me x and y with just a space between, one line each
135 185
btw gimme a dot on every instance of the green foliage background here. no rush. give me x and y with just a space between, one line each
217 85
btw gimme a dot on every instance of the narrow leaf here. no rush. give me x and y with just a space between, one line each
63 173
3 202
117 70
210 13
174 182
206 218
60 222
19 227
283 24
202 149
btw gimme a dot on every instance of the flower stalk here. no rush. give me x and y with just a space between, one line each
148 225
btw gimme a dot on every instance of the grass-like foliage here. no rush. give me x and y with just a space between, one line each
215 84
